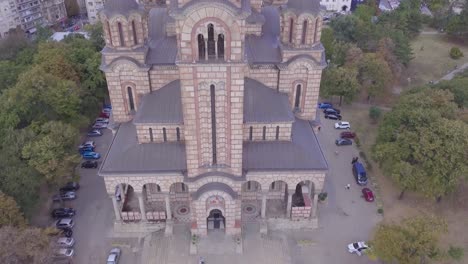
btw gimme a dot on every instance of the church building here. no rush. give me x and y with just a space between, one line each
213 103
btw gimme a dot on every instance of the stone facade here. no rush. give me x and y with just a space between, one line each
202 45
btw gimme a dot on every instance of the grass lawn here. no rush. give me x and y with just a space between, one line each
431 58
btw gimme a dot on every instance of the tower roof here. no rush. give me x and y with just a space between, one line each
121 7
304 6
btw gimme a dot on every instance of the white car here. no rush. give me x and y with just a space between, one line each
114 256
342 125
99 125
357 247
102 120
65 242
64 252
64 223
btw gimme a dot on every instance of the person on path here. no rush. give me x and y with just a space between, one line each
348 186
355 159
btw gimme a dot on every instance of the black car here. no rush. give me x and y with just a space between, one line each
331 111
89 164
343 142
333 116
63 212
67 232
70 186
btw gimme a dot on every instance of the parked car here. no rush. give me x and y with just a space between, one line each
64 196
65 242
91 155
347 134
94 133
87 144
107 110
368 194
114 256
325 105
104 115
342 125
357 247
70 186
85 149
331 111
360 173
64 223
108 106
64 252
67 232
102 120
89 164
63 212
333 116
343 142
99 125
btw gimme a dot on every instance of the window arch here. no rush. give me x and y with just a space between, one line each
277 133
164 134
264 133
213 123
304 32
109 32
178 133
297 100
121 36
131 101
211 42
220 46
291 28
201 47
316 29
250 133
135 39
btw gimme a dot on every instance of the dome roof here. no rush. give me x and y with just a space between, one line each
304 6
120 7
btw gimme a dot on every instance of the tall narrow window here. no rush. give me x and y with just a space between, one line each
277 133
109 31
121 36
182 187
250 133
316 29
220 46
201 47
273 185
211 42
164 134
304 32
135 39
151 134
213 123
291 27
131 102
297 101
178 134
264 133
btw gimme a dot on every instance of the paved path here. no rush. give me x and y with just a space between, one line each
450 75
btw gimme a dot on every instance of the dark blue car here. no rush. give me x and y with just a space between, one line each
325 105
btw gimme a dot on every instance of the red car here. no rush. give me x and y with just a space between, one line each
348 134
368 194
104 115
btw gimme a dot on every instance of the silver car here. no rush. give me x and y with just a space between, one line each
65 242
64 223
114 256
65 252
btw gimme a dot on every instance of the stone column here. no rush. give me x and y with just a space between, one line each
264 203
142 206
206 49
116 208
289 204
168 207
216 49
313 214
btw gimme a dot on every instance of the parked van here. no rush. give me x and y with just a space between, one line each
359 173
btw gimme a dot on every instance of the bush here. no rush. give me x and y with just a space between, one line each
375 113
455 53
380 210
322 196
357 142
455 253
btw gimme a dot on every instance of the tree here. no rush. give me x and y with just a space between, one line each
12 45
353 56
327 40
340 82
412 242
374 75
26 245
43 33
52 58
375 113
458 87
386 50
96 35
455 53
10 212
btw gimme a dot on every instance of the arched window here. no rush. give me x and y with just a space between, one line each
304 32
264 133
316 30
250 133
131 102
135 39
201 47
178 134
109 31
213 123
151 134
164 134
121 36
297 100
277 133
220 46
211 42
291 27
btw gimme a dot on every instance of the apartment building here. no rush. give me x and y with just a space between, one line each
8 17
93 7
53 11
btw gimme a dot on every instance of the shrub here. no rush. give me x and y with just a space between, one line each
357 142
322 196
455 253
455 53
380 210
375 113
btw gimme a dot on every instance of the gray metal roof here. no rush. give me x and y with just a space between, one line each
304 6
263 104
161 106
162 49
124 7
265 48
302 153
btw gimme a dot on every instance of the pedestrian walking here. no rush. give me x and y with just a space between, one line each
355 159
201 260
319 127
348 186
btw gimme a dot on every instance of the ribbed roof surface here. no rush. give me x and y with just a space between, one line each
304 6
112 7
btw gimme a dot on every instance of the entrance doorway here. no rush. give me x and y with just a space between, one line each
215 220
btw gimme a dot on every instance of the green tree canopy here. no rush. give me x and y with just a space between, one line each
374 74
10 213
340 82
